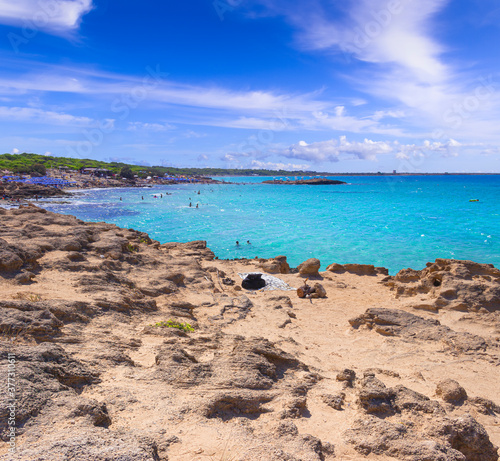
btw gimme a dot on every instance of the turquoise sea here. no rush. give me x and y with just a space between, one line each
390 221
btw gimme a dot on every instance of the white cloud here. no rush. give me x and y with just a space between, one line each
15 151
54 16
154 127
335 150
192 134
255 164
332 149
42 116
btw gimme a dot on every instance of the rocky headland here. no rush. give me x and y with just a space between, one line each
11 191
122 348
306 182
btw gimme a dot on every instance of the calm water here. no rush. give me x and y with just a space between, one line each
395 222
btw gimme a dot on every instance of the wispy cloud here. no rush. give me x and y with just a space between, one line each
392 52
42 116
150 127
54 16
203 104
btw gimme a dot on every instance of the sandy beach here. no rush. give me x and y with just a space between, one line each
403 367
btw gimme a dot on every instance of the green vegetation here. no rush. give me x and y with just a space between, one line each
172 324
126 172
132 248
33 297
25 163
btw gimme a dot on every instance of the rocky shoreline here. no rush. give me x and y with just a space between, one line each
306 182
15 192
127 349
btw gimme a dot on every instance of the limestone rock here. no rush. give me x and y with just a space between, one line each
310 267
450 391
55 372
347 376
358 269
271 266
392 322
97 412
437 439
451 284
335 401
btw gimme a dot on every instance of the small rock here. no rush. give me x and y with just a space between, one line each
450 391
334 401
347 375
24 278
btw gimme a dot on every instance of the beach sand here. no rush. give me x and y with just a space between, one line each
263 376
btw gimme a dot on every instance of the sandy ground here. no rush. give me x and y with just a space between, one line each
314 331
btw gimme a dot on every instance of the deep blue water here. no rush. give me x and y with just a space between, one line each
395 222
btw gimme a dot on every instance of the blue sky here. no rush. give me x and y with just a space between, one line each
340 86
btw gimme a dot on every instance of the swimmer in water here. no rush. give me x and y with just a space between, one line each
237 243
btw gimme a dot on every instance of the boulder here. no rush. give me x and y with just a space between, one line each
277 265
335 268
271 266
310 267
450 391
284 266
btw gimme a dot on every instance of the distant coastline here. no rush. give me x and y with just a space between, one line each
314 173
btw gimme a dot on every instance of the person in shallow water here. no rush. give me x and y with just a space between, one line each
248 242
237 243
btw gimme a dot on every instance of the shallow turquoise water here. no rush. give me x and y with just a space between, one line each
395 222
